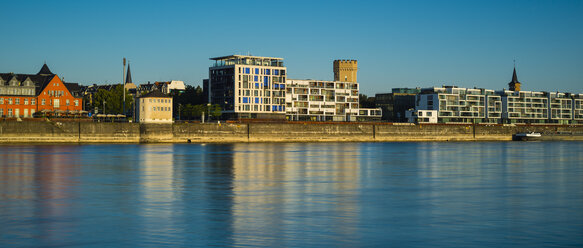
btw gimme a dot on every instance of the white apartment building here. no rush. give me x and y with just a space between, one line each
316 100
248 86
524 106
577 108
458 105
560 107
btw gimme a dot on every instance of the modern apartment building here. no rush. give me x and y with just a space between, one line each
460 105
524 106
248 86
577 108
338 100
311 100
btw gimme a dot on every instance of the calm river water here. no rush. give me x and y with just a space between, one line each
482 194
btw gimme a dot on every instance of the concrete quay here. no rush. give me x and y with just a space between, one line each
100 132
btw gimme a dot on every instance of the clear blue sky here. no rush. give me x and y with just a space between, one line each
396 43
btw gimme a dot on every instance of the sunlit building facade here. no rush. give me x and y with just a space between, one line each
248 86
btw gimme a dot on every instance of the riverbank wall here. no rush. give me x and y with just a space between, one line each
101 132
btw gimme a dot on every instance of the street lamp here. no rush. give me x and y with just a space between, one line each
209 110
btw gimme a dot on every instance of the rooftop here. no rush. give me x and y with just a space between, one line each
243 57
247 60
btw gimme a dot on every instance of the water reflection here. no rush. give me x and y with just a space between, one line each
298 194
279 191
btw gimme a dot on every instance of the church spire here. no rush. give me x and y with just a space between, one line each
128 76
514 85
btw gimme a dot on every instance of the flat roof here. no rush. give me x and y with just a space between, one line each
243 56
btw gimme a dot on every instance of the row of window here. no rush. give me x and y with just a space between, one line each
161 108
261 108
17 101
258 71
16 113
159 100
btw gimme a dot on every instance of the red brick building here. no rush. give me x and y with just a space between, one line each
23 95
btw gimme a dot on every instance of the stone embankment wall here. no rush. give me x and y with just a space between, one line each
91 132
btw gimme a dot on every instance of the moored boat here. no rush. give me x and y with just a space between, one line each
526 136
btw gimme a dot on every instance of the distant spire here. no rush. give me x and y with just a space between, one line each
128 75
514 77
514 85
45 70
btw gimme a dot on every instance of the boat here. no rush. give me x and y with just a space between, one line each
526 136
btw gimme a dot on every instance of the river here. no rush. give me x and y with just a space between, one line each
417 194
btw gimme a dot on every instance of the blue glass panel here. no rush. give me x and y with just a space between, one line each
245 100
278 108
275 72
265 79
283 86
273 108
267 72
275 86
256 70
247 70
256 99
256 85
283 108
256 78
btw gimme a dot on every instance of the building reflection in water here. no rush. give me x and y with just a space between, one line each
37 183
280 190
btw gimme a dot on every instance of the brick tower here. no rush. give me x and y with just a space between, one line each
345 70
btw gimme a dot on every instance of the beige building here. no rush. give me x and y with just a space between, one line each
154 107
345 70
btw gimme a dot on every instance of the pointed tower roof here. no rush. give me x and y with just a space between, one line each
45 70
514 77
129 76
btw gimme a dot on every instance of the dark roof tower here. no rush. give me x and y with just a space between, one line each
514 85
129 76
45 70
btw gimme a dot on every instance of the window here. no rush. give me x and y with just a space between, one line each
32 102
10 112
67 102
43 102
76 102
56 103
275 72
256 70
25 101
1 100
9 100
17 101
1 112
256 78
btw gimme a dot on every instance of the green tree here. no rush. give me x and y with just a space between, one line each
113 100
